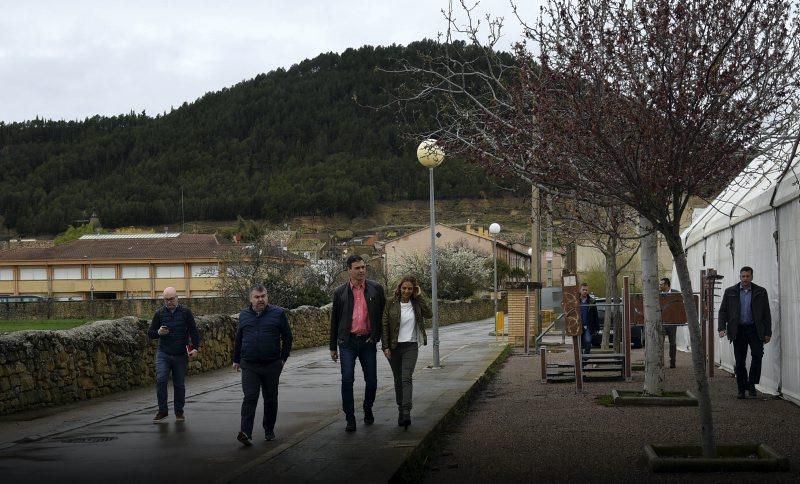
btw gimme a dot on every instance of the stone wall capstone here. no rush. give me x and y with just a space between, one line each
111 308
43 368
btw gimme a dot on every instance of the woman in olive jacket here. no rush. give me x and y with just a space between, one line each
403 332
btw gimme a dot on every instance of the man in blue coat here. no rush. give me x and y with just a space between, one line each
263 343
173 325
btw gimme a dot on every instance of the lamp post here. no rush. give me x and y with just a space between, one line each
430 156
494 229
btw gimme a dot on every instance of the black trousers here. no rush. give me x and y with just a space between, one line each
670 331
747 336
263 377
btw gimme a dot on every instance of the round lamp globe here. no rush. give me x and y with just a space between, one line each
429 154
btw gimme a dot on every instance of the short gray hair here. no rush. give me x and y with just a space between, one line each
258 288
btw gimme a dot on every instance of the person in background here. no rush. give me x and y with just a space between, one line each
589 318
173 325
669 330
744 316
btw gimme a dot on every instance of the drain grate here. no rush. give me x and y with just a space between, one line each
87 440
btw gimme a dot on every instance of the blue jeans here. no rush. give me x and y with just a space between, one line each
166 363
586 340
358 347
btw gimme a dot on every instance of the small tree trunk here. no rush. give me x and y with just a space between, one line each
654 348
611 294
698 353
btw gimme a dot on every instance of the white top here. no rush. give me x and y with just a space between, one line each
407 327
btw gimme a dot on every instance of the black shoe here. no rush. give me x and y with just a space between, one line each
369 419
406 420
741 396
269 436
752 391
401 419
244 439
351 425
672 364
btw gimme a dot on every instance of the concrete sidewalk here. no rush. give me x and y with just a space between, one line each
113 439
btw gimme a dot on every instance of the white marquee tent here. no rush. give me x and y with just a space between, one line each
756 222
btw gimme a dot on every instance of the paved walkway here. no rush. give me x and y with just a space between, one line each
112 439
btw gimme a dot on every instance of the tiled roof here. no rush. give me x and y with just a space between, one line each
185 246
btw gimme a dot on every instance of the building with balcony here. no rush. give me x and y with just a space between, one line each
116 266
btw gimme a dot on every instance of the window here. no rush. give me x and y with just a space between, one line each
102 272
199 270
73 272
169 272
6 274
135 272
33 274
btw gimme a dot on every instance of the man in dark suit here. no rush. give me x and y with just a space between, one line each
356 325
669 330
745 317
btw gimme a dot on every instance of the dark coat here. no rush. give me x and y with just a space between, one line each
262 338
391 320
182 329
594 319
730 309
342 312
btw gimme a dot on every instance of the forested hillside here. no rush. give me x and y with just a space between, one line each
286 143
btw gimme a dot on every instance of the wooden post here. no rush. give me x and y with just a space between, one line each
711 275
572 321
543 362
627 317
527 325
704 313
576 345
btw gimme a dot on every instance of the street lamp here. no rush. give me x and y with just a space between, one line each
494 229
430 155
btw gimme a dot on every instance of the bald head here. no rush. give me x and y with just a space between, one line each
170 296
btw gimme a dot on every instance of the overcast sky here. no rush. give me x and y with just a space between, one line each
72 59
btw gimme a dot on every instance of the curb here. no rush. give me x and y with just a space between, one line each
412 468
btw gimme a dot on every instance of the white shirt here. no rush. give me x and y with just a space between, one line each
408 331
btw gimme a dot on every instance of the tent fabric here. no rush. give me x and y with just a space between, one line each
789 226
755 222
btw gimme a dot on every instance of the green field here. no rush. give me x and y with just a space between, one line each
23 324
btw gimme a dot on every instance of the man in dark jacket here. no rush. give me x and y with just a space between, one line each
263 343
745 317
355 329
173 325
669 330
589 319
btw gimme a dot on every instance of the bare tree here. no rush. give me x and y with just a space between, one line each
651 102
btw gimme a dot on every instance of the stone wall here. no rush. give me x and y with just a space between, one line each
40 368
110 308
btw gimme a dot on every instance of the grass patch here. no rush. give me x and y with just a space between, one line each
10 326
605 400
